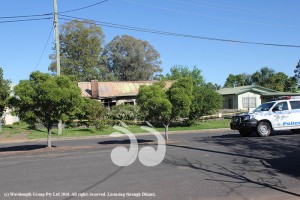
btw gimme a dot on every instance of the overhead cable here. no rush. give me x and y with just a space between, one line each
145 30
95 4
24 20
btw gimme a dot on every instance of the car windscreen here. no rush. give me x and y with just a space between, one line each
264 107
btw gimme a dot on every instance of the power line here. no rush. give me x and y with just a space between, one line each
229 8
51 13
207 16
44 49
24 20
95 4
145 30
25 16
235 7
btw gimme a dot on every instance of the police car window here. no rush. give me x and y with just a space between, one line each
281 106
264 107
295 104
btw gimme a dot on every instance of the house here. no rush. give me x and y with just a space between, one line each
8 118
248 97
114 93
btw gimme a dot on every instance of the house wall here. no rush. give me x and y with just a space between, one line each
9 118
119 101
236 101
124 101
248 95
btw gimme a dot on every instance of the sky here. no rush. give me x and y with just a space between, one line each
26 45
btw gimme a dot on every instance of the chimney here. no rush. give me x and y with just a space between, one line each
94 88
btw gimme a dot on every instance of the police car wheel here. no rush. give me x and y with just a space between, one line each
264 129
245 133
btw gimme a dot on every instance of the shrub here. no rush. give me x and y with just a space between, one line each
125 113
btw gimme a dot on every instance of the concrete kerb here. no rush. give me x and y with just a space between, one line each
108 136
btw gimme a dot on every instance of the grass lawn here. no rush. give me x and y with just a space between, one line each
77 132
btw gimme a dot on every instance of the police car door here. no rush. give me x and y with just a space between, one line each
281 115
295 115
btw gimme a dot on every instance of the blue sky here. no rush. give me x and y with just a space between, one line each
264 21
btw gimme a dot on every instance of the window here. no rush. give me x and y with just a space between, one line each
295 104
249 102
281 106
264 107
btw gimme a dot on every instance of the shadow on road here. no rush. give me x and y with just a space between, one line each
229 178
235 134
23 148
126 141
253 161
98 183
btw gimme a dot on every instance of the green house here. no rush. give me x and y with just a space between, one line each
249 97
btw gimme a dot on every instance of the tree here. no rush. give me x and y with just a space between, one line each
206 101
161 106
279 81
45 99
213 86
263 76
130 59
238 80
4 92
80 50
297 72
291 85
179 71
155 104
91 111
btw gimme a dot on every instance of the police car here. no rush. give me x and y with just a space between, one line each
280 114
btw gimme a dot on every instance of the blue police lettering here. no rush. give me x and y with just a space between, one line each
292 123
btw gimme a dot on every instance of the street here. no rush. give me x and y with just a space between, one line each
206 165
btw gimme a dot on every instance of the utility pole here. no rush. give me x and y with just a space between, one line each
55 23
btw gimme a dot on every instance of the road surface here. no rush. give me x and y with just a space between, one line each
205 165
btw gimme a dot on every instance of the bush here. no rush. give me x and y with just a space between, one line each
100 124
125 113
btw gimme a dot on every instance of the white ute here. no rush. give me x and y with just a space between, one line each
280 114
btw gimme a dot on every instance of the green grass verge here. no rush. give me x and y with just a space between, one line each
80 132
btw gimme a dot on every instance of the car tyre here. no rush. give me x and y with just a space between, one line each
264 129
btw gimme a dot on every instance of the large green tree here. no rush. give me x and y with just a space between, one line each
131 59
206 101
179 71
265 77
238 80
80 50
155 105
279 81
165 106
4 92
45 99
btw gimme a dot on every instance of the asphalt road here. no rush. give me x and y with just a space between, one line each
206 165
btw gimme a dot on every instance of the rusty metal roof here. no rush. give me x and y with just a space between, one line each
116 89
